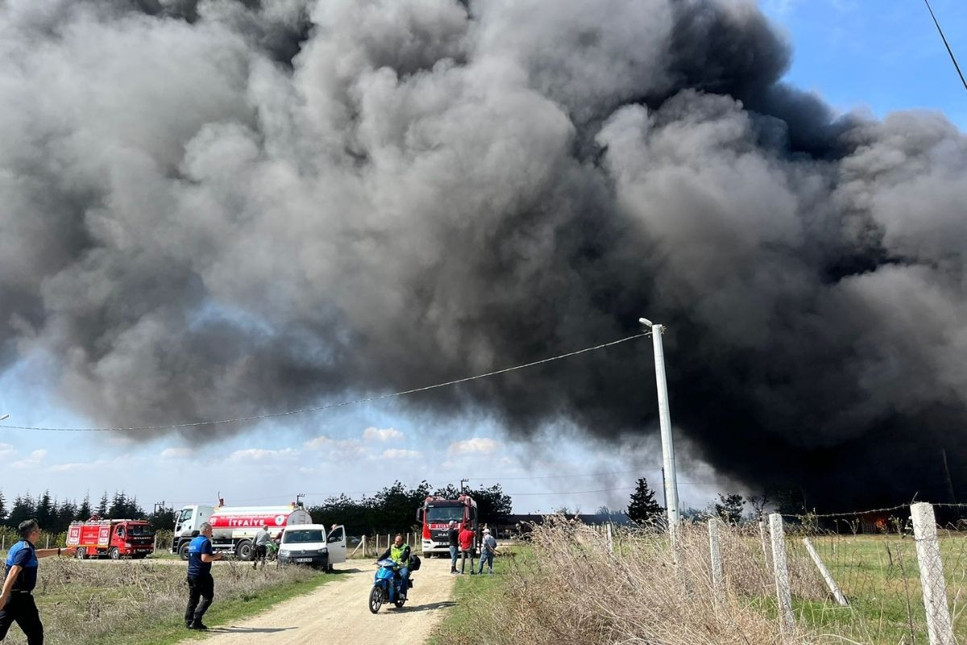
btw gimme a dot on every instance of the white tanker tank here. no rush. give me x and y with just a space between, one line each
234 527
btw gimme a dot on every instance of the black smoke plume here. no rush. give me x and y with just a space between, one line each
216 208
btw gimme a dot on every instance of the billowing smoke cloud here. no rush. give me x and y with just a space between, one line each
220 208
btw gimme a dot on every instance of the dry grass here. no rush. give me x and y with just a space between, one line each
570 587
138 601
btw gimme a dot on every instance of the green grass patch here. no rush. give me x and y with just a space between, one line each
476 598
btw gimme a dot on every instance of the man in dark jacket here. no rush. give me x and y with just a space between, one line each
454 535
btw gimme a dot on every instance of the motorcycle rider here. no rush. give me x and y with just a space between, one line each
399 552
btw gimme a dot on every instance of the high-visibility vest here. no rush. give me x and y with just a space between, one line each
396 552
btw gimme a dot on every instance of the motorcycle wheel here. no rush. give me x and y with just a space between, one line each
375 599
399 602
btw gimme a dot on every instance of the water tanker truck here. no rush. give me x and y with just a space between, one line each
234 527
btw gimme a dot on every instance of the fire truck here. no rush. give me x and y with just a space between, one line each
234 527
435 516
114 539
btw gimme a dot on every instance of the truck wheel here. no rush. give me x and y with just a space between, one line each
244 550
81 553
183 550
114 553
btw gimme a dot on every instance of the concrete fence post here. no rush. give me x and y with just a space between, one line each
940 628
610 540
765 541
781 572
718 582
824 572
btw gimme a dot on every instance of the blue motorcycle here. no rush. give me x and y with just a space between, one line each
387 586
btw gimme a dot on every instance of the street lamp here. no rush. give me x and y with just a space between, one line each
664 420
4 417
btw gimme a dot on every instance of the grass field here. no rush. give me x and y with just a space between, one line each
880 577
143 602
568 587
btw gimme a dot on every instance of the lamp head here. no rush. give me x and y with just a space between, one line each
646 322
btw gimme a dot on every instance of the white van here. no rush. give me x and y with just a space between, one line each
311 544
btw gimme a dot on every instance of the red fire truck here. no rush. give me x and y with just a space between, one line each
435 516
114 539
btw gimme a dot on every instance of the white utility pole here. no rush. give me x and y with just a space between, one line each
665 421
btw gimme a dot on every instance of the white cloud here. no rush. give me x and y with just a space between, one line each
396 453
176 453
480 445
337 448
7 450
381 434
261 454
35 458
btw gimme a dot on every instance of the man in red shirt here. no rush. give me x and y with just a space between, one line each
467 539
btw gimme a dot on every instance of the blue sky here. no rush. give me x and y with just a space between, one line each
877 55
874 57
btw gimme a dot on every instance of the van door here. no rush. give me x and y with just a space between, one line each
336 543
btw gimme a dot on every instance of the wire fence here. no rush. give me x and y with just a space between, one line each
894 576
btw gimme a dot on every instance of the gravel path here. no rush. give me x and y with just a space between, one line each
338 612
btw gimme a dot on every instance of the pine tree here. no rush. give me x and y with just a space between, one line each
730 508
643 507
102 506
44 512
84 510
23 509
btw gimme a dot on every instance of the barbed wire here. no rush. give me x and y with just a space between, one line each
330 406
801 516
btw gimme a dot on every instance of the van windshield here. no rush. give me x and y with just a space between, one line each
300 536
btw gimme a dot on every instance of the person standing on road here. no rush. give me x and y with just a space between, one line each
454 536
487 550
201 585
466 549
261 544
17 600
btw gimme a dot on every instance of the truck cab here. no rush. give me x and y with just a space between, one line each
310 544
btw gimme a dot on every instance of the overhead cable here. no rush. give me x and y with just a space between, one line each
330 406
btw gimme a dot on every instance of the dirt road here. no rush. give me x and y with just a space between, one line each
338 612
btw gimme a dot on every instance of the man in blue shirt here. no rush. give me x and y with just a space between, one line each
201 585
16 600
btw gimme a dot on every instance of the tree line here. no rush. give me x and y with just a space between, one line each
56 515
730 507
390 510
393 509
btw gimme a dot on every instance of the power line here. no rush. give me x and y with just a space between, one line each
320 408
946 44
573 492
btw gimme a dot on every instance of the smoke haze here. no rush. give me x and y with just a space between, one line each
219 208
